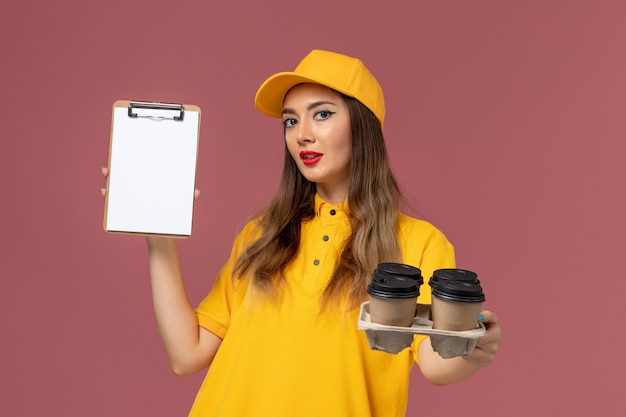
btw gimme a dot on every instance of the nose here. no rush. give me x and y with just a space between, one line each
304 132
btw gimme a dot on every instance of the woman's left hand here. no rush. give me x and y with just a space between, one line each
485 351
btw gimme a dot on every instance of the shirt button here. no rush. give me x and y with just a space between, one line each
325 238
316 262
333 212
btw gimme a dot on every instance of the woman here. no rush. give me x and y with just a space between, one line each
278 329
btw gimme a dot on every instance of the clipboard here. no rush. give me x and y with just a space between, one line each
152 168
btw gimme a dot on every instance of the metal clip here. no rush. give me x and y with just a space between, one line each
156 106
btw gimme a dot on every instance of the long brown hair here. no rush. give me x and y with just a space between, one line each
373 201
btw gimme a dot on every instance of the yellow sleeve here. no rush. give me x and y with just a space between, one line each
215 310
427 248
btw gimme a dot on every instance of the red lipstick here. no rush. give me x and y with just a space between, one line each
310 157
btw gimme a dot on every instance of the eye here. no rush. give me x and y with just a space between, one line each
289 122
323 115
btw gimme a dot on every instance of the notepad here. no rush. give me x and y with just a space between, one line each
152 168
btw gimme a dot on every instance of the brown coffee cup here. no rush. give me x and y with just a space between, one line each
456 305
393 294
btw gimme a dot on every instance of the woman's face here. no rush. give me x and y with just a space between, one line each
318 136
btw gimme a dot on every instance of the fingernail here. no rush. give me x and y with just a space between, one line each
480 317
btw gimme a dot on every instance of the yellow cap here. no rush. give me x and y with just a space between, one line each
340 72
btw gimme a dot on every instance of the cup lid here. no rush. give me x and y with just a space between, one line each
394 287
453 274
395 280
398 269
460 291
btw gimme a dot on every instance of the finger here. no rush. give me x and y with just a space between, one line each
489 317
493 334
489 344
105 174
487 339
196 194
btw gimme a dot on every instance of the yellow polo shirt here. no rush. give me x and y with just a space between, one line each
286 359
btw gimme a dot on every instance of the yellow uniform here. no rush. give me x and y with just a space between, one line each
286 359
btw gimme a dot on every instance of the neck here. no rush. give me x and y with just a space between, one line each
332 195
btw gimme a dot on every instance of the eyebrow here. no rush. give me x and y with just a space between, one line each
309 107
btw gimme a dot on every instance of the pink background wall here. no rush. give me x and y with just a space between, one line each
506 129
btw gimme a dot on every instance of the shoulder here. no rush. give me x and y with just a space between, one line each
251 229
250 232
419 234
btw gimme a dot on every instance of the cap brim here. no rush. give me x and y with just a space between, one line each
269 97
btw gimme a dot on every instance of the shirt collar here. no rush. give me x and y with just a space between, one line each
321 205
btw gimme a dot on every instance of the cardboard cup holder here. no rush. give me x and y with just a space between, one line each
393 339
